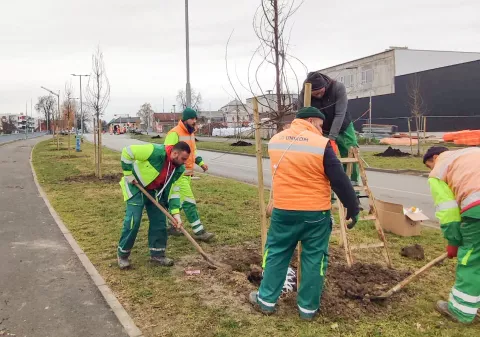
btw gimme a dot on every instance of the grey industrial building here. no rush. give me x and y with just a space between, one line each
447 81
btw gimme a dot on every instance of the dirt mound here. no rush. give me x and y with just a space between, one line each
241 143
344 291
414 252
391 152
156 137
107 178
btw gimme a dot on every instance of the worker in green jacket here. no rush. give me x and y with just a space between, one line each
156 168
455 186
182 189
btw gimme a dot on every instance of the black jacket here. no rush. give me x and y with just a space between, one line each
333 105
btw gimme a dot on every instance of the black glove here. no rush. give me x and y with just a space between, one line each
354 219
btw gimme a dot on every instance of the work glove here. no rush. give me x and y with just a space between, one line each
178 220
354 220
452 251
334 145
130 179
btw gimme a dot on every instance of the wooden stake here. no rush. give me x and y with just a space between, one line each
307 101
95 145
410 134
261 190
99 151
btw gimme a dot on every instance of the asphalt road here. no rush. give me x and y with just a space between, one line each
397 188
44 289
19 136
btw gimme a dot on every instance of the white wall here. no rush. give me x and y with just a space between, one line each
408 61
383 67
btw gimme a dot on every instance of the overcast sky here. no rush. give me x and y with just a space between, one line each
43 41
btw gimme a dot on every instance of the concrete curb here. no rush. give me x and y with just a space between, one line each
124 318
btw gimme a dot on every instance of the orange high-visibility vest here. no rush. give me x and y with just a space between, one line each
296 158
459 169
189 138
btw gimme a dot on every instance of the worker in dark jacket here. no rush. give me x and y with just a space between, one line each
330 97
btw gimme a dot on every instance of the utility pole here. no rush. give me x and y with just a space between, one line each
26 120
81 107
188 92
370 114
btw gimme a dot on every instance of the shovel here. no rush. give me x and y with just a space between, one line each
199 249
409 279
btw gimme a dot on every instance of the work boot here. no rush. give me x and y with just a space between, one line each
442 307
204 236
172 231
161 261
252 298
123 262
309 318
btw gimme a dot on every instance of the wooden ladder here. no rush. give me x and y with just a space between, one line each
354 158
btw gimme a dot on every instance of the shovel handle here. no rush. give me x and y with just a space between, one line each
173 221
417 273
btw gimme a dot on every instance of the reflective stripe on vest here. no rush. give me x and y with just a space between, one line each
446 205
297 148
472 198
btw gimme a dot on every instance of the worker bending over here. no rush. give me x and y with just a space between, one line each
330 97
182 189
455 186
156 168
304 169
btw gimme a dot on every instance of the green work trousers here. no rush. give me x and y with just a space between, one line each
464 300
182 190
287 228
157 231
345 141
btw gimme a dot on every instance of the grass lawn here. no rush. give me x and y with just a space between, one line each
166 302
394 163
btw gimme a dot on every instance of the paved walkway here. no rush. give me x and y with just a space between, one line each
44 289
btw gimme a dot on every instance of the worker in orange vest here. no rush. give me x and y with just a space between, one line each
182 190
305 169
455 186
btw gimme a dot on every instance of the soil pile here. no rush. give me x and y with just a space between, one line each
156 137
241 143
391 152
344 291
414 252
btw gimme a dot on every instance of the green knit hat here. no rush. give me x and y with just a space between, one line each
188 113
310 111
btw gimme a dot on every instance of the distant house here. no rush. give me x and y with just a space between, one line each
165 121
235 114
211 117
268 103
124 124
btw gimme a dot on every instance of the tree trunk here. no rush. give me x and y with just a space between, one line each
277 64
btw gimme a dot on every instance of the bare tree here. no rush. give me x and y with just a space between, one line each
46 106
270 25
69 108
196 99
417 104
146 114
98 96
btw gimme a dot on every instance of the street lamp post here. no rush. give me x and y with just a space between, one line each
188 92
81 106
58 102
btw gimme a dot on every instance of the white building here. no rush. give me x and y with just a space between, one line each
235 114
375 74
268 103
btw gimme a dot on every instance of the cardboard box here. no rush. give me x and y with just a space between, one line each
394 219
